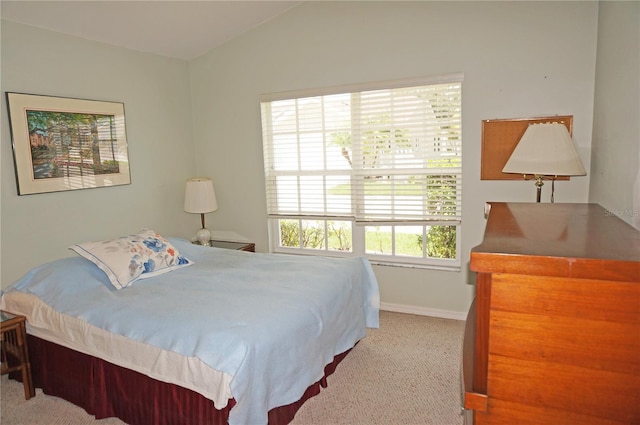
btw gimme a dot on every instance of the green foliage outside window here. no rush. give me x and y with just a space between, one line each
289 233
313 235
441 240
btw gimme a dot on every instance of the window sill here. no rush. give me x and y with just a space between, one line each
416 266
453 267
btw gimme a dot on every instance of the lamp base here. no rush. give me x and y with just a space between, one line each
204 236
539 185
538 178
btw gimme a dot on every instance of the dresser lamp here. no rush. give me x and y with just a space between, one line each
200 198
545 152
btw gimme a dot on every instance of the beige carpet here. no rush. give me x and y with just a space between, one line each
405 373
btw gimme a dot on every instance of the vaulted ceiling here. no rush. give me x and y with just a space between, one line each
183 29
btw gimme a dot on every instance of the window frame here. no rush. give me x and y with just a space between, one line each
358 228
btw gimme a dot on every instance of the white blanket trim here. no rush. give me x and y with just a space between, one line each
167 366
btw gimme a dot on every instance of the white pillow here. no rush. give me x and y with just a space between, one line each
132 257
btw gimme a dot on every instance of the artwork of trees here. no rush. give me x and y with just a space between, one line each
67 144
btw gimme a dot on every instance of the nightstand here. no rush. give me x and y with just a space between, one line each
230 240
240 246
15 355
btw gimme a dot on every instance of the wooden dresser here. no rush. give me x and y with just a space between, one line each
553 336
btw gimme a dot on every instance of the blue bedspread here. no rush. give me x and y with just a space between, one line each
272 322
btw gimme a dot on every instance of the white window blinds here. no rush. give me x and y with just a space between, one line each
374 156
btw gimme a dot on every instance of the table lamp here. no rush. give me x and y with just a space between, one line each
200 198
545 151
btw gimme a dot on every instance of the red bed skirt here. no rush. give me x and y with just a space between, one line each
106 390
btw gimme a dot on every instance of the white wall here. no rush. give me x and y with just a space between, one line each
615 165
155 92
520 59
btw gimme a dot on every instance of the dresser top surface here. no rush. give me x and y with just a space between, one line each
584 231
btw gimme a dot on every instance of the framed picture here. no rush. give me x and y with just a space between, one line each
63 143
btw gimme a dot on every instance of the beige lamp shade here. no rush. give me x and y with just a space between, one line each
545 150
199 196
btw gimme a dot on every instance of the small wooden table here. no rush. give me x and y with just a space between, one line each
15 354
238 246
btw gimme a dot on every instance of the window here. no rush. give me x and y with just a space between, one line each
373 170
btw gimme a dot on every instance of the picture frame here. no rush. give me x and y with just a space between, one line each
62 144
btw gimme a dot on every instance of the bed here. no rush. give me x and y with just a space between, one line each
185 334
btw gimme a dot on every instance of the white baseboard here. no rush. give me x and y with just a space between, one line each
423 311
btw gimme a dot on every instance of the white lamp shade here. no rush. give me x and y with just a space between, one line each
199 196
545 150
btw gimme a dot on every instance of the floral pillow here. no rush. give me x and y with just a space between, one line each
132 257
